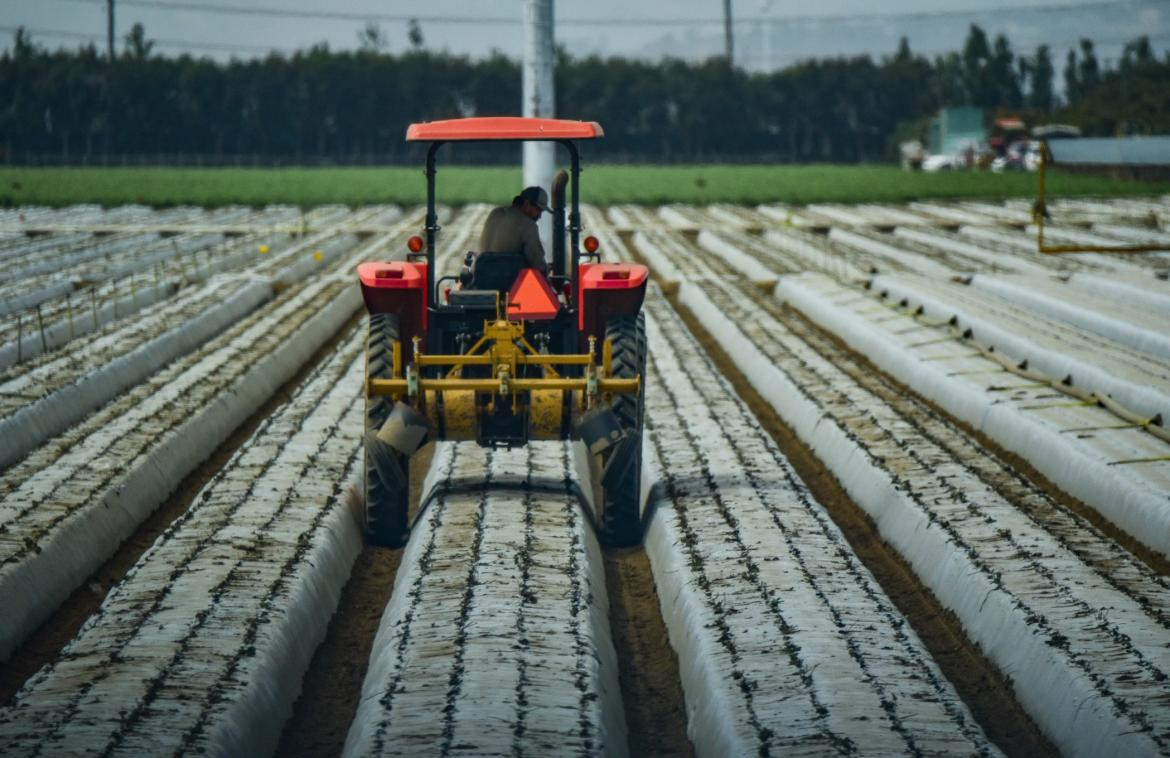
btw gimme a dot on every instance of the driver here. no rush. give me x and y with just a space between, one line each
513 228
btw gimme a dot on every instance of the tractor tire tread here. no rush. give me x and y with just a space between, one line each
621 518
386 510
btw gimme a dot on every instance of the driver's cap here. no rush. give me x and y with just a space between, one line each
537 197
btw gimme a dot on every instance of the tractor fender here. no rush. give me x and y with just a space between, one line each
606 291
400 289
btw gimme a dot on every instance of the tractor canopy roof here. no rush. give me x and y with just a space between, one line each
502 128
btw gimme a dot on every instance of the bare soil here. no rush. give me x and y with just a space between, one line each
652 696
332 686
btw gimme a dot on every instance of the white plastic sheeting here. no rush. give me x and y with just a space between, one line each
1088 653
1075 446
201 648
812 252
54 410
1132 326
785 641
68 505
742 261
882 254
984 258
1139 291
496 639
1139 382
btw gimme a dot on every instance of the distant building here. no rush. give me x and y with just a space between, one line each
954 129
1123 157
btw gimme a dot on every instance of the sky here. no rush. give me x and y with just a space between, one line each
768 33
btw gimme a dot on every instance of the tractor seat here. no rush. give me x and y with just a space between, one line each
496 271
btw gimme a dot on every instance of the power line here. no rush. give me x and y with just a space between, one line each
321 15
748 59
756 58
182 44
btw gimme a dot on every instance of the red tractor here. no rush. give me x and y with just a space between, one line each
504 354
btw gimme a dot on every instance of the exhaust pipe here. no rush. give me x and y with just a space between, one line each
558 222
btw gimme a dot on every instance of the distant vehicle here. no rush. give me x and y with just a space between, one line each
1021 155
1055 131
939 163
913 154
1006 132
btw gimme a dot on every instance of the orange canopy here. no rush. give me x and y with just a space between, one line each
502 128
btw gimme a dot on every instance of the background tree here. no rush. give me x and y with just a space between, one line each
1004 79
1088 74
1042 75
977 75
138 46
414 34
372 39
321 106
1072 77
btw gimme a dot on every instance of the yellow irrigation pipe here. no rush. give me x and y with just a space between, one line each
1040 211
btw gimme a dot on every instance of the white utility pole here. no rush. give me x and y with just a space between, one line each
539 98
110 30
728 44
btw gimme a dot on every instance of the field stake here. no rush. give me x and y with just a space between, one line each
41 326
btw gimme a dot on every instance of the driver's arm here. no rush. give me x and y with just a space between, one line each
533 249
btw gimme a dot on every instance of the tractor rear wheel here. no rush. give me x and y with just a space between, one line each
621 517
387 501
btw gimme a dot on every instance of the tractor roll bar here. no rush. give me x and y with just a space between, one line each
432 219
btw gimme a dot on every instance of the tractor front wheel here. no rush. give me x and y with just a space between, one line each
387 496
621 490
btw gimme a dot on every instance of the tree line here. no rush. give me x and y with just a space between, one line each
329 106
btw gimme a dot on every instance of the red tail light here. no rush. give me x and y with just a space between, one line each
414 244
619 274
591 244
388 273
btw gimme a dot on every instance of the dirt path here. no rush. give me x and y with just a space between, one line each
656 715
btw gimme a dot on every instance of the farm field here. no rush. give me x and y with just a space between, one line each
908 482
608 184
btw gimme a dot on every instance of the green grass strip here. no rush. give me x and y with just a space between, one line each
601 184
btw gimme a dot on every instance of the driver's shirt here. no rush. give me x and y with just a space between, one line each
507 229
